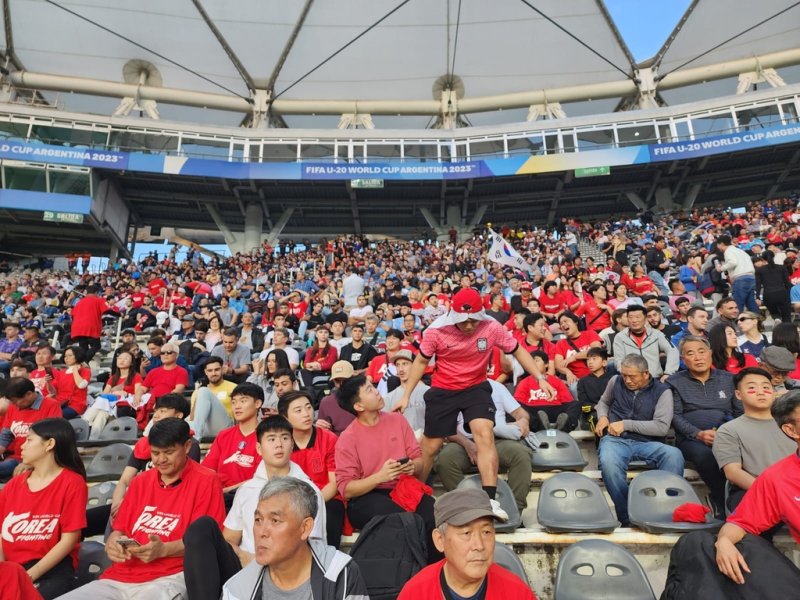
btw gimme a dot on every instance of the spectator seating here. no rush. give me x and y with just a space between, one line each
100 494
504 496
508 559
92 561
108 464
557 451
571 502
122 429
599 569
652 498
81 429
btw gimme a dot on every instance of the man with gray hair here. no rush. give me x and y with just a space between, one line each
633 416
169 378
288 563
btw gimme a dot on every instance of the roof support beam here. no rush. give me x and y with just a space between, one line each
240 68
275 232
784 174
287 48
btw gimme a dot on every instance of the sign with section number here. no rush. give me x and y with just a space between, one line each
63 217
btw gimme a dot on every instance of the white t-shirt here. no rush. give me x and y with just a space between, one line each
504 403
291 354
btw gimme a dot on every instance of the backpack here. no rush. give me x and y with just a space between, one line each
390 550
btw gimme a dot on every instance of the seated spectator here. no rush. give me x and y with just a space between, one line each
315 452
741 564
752 341
331 415
779 362
9 346
381 367
26 407
280 340
727 314
169 378
286 563
264 371
633 418
319 359
250 337
44 508
619 321
117 395
655 318
563 410
596 311
211 404
465 535
43 376
213 557
358 352
537 337
641 339
459 456
236 358
233 454
592 386
415 411
696 325
704 400
337 338
157 509
725 353
71 384
571 351
155 346
368 454
749 444
31 340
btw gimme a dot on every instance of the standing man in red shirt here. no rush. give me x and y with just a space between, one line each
462 341
87 326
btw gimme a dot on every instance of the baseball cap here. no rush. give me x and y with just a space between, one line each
403 354
187 318
341 369
467 304
778 358
460 507
526 286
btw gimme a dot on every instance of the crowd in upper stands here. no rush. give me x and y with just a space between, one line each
293 362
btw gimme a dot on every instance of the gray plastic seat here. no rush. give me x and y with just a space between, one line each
652 498
598 570
508 559
100 494
92 561
557 451
123 429
81 429
571 502
504 496
109 463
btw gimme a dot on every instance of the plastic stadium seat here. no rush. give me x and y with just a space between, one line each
571 502
123 429
508 559
109 463
557 451
599 569
92 561
100 494
654 495
504 496
81 429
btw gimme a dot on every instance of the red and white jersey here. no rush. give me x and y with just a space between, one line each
19 421
233 456
33 522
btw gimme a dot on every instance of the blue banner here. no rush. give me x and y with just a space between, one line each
405 170
84 157
26 200
731 142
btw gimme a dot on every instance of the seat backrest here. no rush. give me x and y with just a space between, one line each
111 460
92 561
654 495
508 559
81 429
599 569
571 501
504 496
557 451
122 428
101 494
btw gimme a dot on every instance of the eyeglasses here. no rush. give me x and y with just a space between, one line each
168 353
740 319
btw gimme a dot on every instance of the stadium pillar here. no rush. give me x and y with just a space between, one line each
691 195
113 253
253 223
275 232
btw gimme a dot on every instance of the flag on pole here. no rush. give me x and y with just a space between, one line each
502 252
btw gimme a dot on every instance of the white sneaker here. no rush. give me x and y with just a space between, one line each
498 511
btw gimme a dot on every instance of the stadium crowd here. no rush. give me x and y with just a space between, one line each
357 367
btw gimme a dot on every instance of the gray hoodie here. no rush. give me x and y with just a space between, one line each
334 576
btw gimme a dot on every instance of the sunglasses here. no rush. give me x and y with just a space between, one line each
168 353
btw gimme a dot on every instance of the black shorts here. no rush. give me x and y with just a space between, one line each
442 408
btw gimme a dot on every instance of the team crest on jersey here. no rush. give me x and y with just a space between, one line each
243 460
483 344
24 528
155 522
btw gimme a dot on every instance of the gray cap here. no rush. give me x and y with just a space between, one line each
778 358
403 355
187 318
460 507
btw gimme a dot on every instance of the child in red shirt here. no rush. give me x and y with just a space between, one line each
530 395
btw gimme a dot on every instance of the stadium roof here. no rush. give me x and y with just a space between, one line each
397 51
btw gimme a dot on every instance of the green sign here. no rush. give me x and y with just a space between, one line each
592 171
366 184
63 217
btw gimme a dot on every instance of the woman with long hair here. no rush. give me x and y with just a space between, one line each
71 384
113 401
621 298
786 336
752 341
725 353
215 327
319 359
264 374
44 508
268 316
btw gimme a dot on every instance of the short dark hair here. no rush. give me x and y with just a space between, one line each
395 333
737 379
21 363
19 387
214 359
541 354
349 391
273 423
284 373
696 309
784 407
597 351
530 320
168 432
636 308
724 239
655 309
78 352
156 340
176 402
570 315
286 399
249 389
723 301
648 297
230 332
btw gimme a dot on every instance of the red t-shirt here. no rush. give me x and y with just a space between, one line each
551 305
501 585
597 318
38 377
529 392
70 394
796 373
128 388
583 342
642 285
184 300
86 317
545 346
318 458
298 309
732 366
151 509
772 499
155 286
161 381
33 522
19 421
461 359
138 299
233 456
494 369
377 367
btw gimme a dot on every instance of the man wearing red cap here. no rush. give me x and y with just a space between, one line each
462 342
